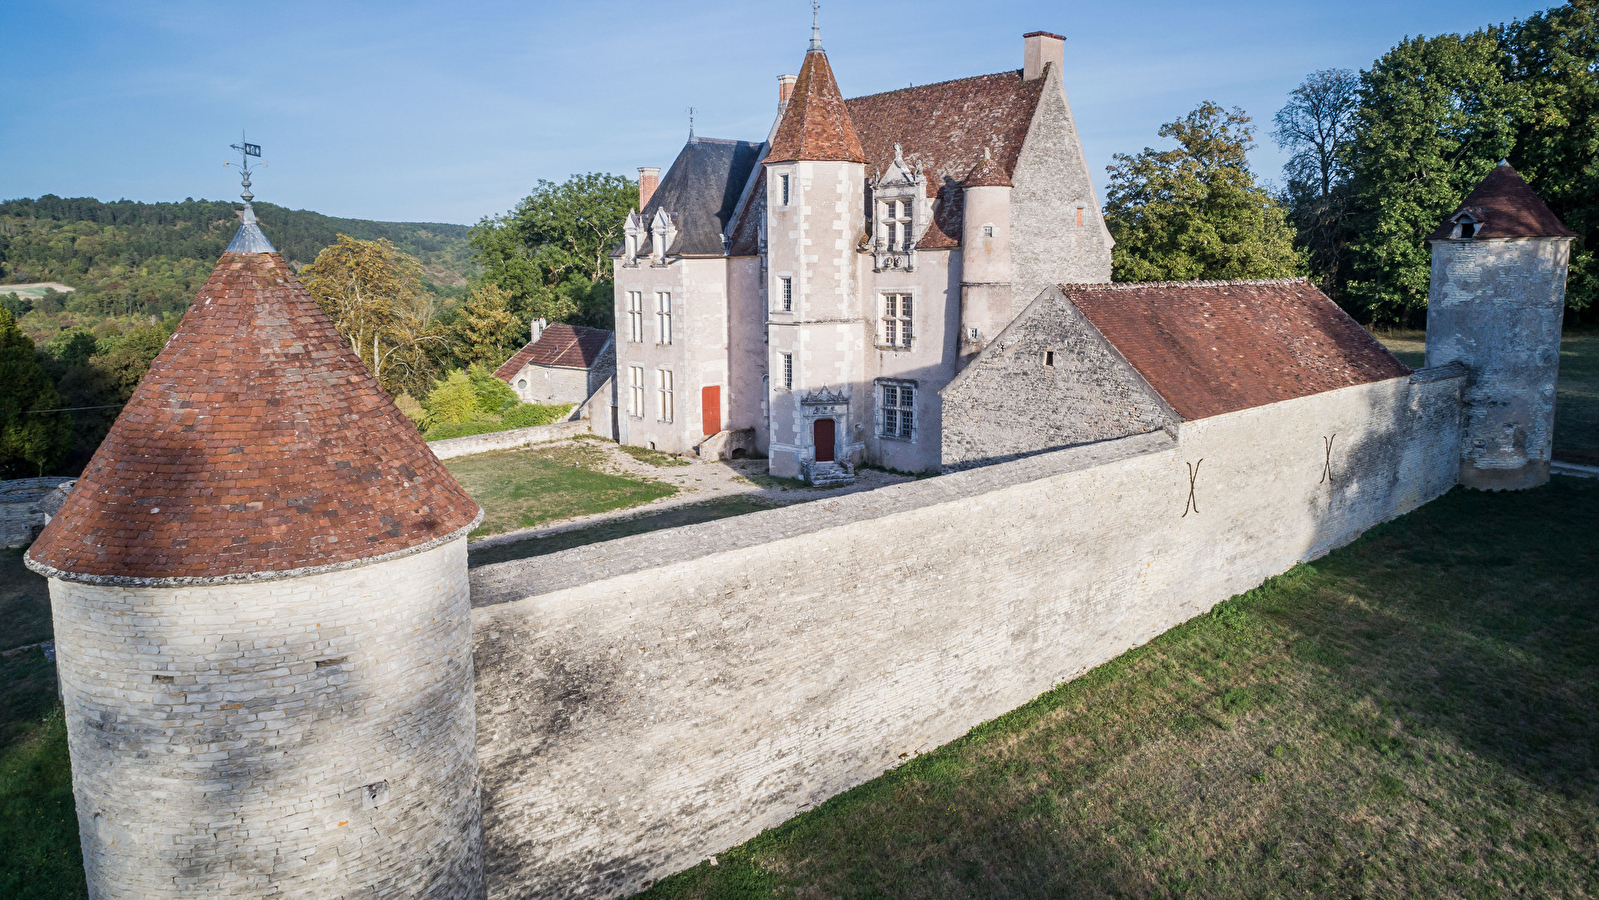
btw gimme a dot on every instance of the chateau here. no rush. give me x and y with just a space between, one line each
280 680
817 290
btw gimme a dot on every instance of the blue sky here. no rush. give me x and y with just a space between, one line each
452 111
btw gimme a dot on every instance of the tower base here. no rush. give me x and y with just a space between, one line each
1534 474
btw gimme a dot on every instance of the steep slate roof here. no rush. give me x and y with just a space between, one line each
258 444
816 125
1505 207
700 192
568 346
945 128
746 233
1213 347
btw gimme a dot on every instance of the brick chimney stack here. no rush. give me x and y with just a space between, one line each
1039 48
785 90
648 178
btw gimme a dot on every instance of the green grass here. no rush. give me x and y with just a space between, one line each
1577 398
1415 715
526 488
691 514
1410 345
653 457
39 853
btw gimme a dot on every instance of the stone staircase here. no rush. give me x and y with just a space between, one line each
828 474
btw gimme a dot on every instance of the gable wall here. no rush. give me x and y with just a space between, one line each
1008 403
1050 179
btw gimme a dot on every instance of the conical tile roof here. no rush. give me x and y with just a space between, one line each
1505 206
816 124
258 445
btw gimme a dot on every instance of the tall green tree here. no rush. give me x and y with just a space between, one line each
1316 127
1195 212
482 330
1435 116
30 441
1553 57
551 253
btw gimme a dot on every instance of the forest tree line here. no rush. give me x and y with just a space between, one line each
1377 158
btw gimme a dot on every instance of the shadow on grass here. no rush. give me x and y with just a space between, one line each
691 514
1417 714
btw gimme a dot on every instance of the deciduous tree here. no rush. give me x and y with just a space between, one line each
30 441
373 293
1316 128
1196 211
551 253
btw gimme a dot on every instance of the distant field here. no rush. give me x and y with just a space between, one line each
36 290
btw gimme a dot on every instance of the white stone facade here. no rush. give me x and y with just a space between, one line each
305 737
824 354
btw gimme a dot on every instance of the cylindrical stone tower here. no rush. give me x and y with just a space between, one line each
262 621
985 258
1495 304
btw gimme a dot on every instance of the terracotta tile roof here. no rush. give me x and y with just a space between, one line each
816 125
986 173
570 346
1505 207
945 128
257 444
1213 347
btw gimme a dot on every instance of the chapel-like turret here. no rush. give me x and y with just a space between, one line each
1495 304
262 620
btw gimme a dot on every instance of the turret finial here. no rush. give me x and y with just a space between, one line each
249 239
816 28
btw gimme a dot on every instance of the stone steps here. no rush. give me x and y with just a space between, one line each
829 474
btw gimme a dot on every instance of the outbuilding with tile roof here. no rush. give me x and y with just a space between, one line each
560 364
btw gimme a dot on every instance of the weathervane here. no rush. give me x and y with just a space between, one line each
246 150
816 28
691 123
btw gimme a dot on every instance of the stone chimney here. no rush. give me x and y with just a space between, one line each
540 324
1040 48
648 178
785 90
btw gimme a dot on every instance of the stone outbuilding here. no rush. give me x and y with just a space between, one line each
560 364
1093 362
262 620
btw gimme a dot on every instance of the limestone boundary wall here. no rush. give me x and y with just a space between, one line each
650 701
507 440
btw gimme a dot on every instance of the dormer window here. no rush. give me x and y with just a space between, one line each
1466 227
897 219
900 211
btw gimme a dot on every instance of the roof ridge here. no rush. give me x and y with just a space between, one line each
917 87
1139 285
711 140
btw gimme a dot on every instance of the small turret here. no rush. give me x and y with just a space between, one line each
1495 304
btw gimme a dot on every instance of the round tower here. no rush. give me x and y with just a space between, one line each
985 257
262 621
1495 304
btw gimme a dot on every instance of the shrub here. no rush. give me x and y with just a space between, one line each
493 395
452 400
527 415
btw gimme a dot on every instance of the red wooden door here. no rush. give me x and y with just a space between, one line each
823 433
711 408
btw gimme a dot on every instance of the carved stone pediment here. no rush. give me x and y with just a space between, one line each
825 397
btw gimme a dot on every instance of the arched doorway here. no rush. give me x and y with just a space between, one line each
822 437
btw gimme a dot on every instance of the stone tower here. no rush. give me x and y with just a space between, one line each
260 599
816 176
1495 304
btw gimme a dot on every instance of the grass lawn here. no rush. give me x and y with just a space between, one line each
1416 715
525 488
653 457
39 853
691 514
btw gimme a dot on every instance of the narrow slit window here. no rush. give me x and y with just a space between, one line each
788 371
783 181
1049 358
787 285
